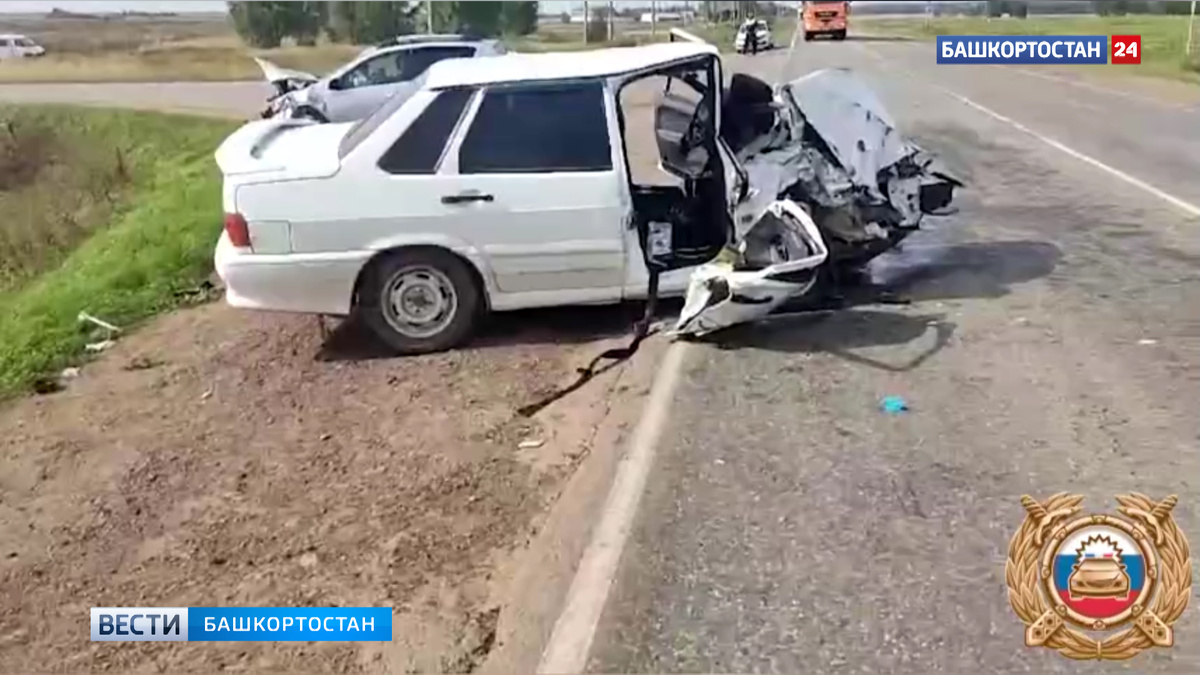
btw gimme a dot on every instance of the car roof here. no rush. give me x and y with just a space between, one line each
422 39
11 36
560 65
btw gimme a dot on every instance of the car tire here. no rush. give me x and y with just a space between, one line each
840 35
419 301
807 36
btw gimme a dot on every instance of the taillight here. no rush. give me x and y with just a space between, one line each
238 231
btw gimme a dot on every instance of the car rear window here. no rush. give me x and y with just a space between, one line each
420 146
367 125
539 128
418 60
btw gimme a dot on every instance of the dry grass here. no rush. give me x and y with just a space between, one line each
105 210
202 47
55 189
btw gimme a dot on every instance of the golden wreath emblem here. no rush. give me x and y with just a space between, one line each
1069 573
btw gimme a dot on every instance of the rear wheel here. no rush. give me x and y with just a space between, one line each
840 35
420 301
807 36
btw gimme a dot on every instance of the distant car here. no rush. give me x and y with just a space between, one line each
14 46
359 87
754 35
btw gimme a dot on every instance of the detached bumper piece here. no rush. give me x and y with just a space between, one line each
776 261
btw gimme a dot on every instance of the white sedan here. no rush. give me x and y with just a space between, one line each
503 183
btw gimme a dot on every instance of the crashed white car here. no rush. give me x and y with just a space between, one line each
502 184
362 85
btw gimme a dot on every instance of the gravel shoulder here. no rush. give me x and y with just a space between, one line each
218 457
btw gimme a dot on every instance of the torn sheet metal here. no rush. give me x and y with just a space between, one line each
832 147
841 148
852 122
774 262
278 75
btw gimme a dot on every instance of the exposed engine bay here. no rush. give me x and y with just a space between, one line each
832 185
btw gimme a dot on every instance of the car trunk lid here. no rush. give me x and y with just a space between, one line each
283 149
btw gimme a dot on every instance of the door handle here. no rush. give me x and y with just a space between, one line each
467 197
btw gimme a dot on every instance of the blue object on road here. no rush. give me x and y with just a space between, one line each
893 405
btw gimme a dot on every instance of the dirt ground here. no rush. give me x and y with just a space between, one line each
219 457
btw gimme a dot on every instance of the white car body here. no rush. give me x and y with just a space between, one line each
312 209
357 88
315 222
13 46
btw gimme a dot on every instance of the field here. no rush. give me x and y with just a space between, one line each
1164 38
192 47
205 48
109 212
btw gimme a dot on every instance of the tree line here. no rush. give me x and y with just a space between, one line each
266 24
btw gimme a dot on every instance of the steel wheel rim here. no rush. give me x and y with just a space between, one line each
419 302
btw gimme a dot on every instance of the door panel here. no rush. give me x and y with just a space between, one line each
543 232
535 174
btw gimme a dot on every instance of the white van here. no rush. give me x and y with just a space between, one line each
13 46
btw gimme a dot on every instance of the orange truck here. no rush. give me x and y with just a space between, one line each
825 18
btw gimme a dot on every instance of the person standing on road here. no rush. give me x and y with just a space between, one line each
752 36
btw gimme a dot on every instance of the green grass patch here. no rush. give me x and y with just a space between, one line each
1164 38
117 213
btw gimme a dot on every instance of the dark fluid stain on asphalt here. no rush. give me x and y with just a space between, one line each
931 271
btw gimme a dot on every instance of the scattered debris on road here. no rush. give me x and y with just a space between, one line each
893 405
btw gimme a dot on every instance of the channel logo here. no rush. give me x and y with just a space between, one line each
1022 49
242 624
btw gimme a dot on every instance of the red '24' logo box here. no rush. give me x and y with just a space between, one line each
1126 49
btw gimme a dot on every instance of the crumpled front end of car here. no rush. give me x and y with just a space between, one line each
824 151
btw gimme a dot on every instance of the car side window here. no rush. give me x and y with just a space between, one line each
539 128
420 146
418 60
381 69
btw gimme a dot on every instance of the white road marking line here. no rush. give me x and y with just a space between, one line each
1178 203
1095 87
1186 207
570 643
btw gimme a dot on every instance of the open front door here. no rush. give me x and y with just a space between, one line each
685 224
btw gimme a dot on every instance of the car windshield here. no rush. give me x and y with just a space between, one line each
25 42
368 124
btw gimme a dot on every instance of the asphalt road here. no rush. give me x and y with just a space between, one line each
1053 344
225 99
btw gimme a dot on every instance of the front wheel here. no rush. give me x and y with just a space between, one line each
420 301
807 36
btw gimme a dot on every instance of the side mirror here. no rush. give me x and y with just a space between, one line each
336 84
